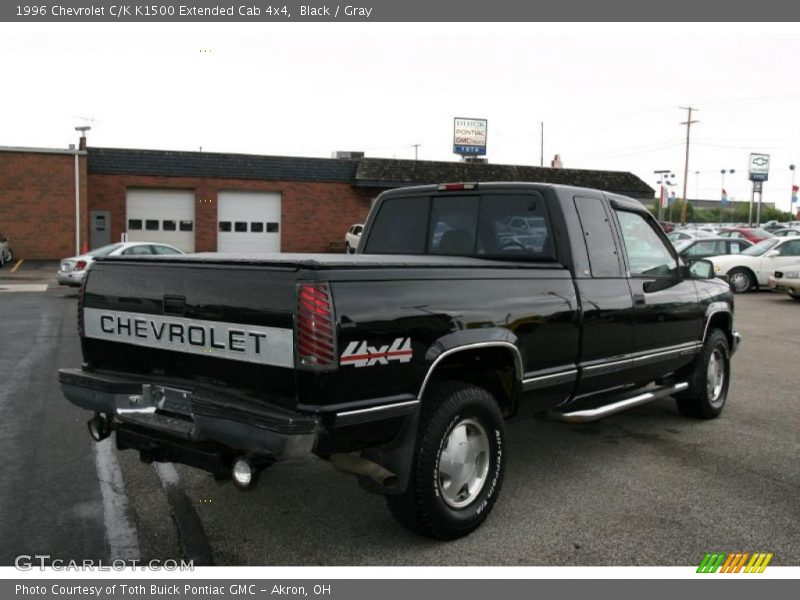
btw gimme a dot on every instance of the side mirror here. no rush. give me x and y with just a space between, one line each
701 269
773 253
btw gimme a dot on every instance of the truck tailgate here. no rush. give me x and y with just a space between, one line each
220 324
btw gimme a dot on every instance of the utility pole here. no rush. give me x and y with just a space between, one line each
416 150
541 143
688 124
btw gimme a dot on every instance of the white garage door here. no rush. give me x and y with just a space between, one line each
165 216
249 222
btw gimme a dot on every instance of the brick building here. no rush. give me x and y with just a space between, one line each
204 201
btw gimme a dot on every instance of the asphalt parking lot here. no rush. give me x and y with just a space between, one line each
646 487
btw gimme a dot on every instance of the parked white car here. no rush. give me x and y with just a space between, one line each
787 280
753 267
5 250
352 237
73 270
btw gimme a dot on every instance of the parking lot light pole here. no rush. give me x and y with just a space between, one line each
82 131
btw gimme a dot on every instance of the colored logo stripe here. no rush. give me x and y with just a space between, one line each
734 562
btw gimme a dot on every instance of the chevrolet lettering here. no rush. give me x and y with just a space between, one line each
464 306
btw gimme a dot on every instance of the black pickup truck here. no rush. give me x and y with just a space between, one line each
464 305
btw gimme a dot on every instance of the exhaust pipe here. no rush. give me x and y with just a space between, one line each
99 427
356 465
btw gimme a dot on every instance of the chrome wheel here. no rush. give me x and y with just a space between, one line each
715 376
464 463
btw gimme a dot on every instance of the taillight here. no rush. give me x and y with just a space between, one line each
80 265
316 332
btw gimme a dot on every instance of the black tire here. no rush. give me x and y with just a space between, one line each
703 400
428 506
742 280
795 296
347 248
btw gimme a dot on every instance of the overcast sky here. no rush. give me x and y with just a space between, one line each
608 95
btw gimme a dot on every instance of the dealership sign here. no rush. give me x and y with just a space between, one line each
469 136
759 167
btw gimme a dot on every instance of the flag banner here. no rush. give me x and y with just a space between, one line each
724 198
795 189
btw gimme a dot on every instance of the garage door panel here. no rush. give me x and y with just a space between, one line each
248 222
165 216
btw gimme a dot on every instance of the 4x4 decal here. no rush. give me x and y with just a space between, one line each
361 354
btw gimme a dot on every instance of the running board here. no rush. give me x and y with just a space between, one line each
593 414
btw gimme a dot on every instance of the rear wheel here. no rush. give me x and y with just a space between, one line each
708 380
458 464
741 280
795 295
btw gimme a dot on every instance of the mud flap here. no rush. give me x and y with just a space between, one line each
397 456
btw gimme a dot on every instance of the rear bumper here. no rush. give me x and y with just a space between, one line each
180 413
74 278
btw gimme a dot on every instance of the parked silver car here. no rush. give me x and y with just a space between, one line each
73 270
5 250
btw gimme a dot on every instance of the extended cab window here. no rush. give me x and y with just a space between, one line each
603 256
647 254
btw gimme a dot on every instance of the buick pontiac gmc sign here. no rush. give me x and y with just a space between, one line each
248 343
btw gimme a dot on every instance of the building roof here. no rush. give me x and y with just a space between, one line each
364 172
117 161
381 172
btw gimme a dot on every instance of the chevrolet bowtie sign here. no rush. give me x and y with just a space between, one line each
759 167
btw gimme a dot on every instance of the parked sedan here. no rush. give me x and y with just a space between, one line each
73 270
787 280
753 267
694 249
5 250
786 232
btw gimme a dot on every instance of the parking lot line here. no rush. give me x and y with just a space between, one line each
23 287
16 266
123 540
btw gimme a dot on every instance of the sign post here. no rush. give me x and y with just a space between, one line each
469 136
759 173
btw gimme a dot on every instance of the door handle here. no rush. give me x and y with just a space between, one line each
638 299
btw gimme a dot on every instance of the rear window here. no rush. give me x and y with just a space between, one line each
400 227
491 225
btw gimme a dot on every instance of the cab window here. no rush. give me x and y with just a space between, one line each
648 254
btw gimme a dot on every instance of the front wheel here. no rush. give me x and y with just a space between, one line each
458 464
795 295
708 380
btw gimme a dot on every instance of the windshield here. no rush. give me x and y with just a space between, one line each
104 250
761 247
